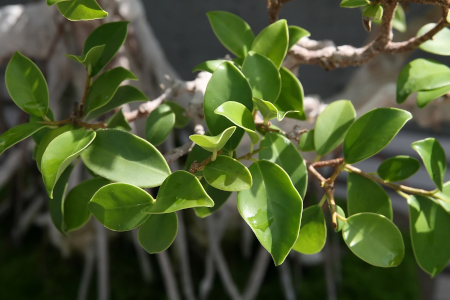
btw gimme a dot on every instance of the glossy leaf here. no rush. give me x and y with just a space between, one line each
120 206
213 143
365 195
158 232
373 131
81 10
112 35
118 121
52 2
439 44
263 76
89 58
399 21
105 87
233 32
306 142
61 151
374 239
209 65
272 42
181 120
159 124
339 222
433 157
373 12
76 211
180 190
398 168
291 96
39 135
18 133
139 163
313 231
26 85
240 116
56 205
266 108
124 94
47 139
332 125
354 3
429 225
226 84
272 208
444 195
218 196
281 151
420 75
425 97
295 34
227 174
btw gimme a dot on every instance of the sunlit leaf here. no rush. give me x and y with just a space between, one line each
81 10
354 3
290 101
227 174
433 157
272 42
306 142
439 44
398 168
50 136
295 34
208 66
213 143
313 231
18 133
89 58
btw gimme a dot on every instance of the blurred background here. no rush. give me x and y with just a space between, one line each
171 37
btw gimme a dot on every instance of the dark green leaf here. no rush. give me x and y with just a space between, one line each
306 142
444 195
398 168
227 174
51 2
56 205
81 10
17 134
47 139
340 223
272 42
295 34
291 96
90 58
159 124
354 3
218 196
433 157
158 232
209 65
439 44
313 231
181 120
39 135
118 121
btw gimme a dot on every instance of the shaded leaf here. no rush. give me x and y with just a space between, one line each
181 120
118 121
218 196
159 124
56 205
18 133
313 231
272 42
39 135
290 100
398 168
227 174
158 232
306 142
425 97
433 157
89 58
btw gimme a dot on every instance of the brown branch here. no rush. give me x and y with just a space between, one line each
87 86
293 135
443 3
90 126
328 163
273 9
199 166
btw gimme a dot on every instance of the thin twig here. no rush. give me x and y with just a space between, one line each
199 166
87 86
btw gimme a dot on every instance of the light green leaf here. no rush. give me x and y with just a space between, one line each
272 42
112 35
373 12
181 120
105 87
332 125
439 44
290 100
263 76
354 3
306 142
218 196
118 121
209 65
158 232
17 134
365 195
226 84
445 195
56 205
76 211
213 143
233 32
433 157
159 124
425 97
272 208
372 132
267 109
295 34
120 206
227 174
180 190
26 85
39 135
281 151
47 139
429 225
374 239
340 223
61 151
138 163
240 116
399 21
398 168
51 2
313 231
81 10
89 58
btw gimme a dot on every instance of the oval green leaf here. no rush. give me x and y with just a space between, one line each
159 124
89 58
439 44
56 205
118 121
209 65
218 196
295 34
433 157
39 135
398 168
373 12
267 109
81 10
50 136
313 231
290 100
213 143
158 232
399 21
425 97
354 3
306 142
340 223
227 174
181 120
272 42
18 133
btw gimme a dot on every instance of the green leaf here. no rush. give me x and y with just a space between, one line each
218 196
439 44
272 42
124 94
263 76
105 87
227 174
17 134
112 35
267 109
26 85
290 100
425 97
444 194
429 225
197 154
118 121
158 232
373 12
233 32
295 34
306 142
332 125
398 168
39 135
180 190
47 139
374 239
159 124
372 132
313 231
421 75
89 58
181 120
399 21
240 116
56 205
213 143
226 84
209 65
354 3
76 211
81 10
120 206
433 157
272 208
61 151
340 223
365 195
138 163
51 2
281 151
